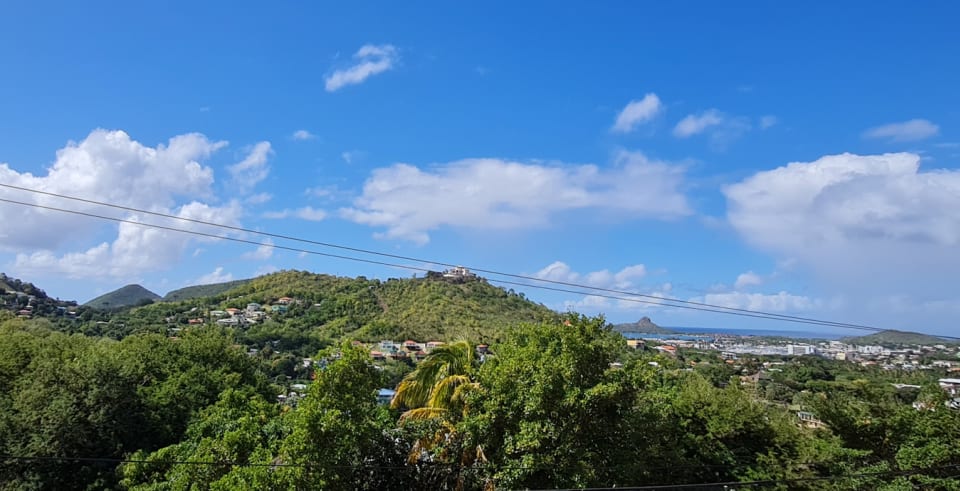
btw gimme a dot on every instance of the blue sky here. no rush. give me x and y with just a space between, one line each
800 159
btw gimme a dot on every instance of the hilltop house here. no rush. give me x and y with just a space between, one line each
459 272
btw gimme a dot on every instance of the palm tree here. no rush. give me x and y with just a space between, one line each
437 389
438 386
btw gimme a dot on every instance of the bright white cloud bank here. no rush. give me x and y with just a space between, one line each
109 166
636 113
369 60
490 194
874 225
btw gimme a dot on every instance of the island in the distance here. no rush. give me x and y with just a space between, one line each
643 326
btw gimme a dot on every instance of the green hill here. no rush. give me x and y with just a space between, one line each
127 296
894 337
325 306
643 326
200 291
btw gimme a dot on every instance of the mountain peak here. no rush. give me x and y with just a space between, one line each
126 296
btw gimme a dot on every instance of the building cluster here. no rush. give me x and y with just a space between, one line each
916 357
252 314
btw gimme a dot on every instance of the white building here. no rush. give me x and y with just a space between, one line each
801 349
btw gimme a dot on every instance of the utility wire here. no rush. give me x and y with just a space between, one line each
661 301
415 268
656 299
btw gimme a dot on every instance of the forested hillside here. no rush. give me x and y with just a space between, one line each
274 383
556 404
332 307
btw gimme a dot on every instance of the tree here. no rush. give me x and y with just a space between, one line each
436 388
551 411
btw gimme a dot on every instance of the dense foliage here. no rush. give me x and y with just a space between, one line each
143 400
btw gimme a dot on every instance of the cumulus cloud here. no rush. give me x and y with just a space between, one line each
748 279
636 113
105 166
110 166
487 194
695 124
253 168
369 60
842 198
302 135
912 130
305 213
870 226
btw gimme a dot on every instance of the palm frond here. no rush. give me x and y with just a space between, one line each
422 414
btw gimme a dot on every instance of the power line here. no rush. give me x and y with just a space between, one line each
656 300
661 301
415 268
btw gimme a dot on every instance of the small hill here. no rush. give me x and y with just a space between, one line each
643 326
127 296
894 337
424 308
201 291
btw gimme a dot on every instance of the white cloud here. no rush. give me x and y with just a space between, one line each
302 135
777 303
305 213
636 113
747 279
136 250
261 253
768 122
626 279
216 276
498 194
111 167
252 169
912 130
106 166
867 226
697 123
842 198
370 60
